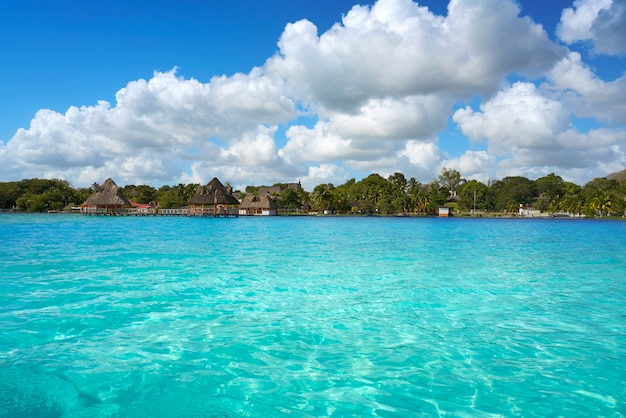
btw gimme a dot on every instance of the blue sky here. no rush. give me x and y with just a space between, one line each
159 92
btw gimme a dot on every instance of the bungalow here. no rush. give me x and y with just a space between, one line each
213 200
144 208
528 211
258 205
107 199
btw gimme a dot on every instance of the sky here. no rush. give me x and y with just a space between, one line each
317 91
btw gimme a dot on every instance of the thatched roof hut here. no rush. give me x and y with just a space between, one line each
258 205
107 199
212 199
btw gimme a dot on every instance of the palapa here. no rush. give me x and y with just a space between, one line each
213 198
258 205
107 198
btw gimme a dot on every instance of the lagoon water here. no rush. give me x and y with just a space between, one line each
311 316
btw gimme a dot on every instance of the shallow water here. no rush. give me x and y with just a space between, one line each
311 316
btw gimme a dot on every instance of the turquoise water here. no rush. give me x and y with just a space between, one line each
314 316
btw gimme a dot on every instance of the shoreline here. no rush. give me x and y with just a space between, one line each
336 215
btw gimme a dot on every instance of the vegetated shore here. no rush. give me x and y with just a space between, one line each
461 215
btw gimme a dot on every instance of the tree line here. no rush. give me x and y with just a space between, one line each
373 194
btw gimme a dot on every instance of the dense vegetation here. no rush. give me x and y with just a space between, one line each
373 194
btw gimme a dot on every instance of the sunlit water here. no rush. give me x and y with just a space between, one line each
311 316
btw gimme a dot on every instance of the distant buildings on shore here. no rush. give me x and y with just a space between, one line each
212 199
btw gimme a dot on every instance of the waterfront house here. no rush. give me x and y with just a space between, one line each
149 208
258 205
213 200
107 199
528 211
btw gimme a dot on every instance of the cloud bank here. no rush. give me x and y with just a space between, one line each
375 93
600 22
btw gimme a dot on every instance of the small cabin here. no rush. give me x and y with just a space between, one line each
258 205
528 211
107 199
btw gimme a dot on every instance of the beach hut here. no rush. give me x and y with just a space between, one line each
528 211
258 205
107 199
213 200
444 211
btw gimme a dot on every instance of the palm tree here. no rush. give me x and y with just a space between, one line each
601 203
323 196
573 203
422 201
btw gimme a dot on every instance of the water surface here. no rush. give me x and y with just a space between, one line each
311 316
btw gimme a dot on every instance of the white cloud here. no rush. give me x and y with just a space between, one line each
147 135
518 117
423 156
316 144
531 133
603 22
576 21
253 156
609 29
394 71
404 118
586 94
323 174
473 165
398 49
379 87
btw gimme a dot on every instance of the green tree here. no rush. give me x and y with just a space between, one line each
140 194
601 203
519 190
175 196
9 193
603 184
573 202
435 196
289 200
550 189
414 188
618 204
322 196
399 201
474 195
40 195
450 179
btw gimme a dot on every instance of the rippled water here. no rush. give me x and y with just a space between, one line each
313 316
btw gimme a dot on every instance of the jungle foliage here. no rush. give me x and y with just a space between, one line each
373 194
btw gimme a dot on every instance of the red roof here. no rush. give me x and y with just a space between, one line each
150 205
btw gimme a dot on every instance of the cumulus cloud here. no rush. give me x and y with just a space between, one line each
586 94
323 174
154 127
252 155
474 165
603 22
397 49
393 71
379 86
576 21
529 132
422 156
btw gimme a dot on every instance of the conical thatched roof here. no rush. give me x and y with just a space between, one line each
257 202
108 194
214 193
